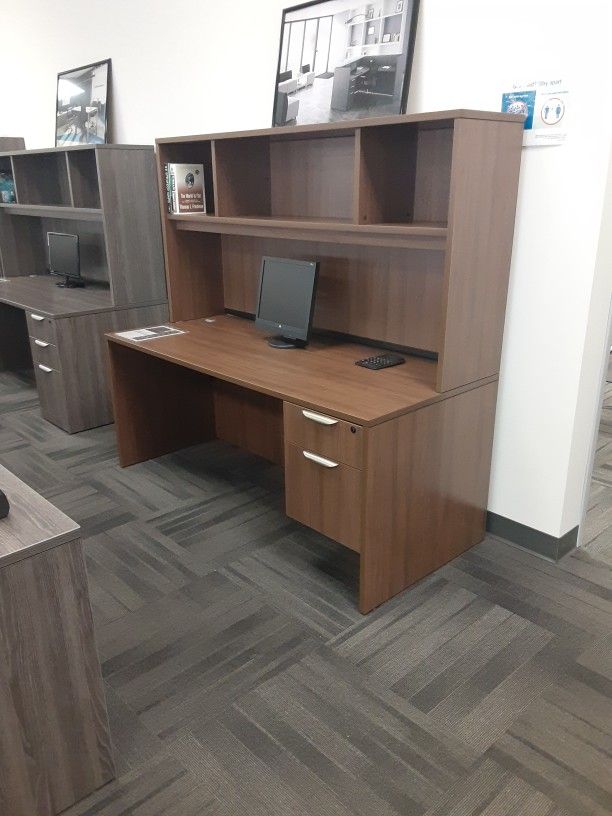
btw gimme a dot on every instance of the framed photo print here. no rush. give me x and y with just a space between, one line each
82 106
332 66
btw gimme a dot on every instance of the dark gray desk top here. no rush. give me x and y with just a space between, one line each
32 525
40 294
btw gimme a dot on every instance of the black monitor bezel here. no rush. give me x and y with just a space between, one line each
291 332
56 272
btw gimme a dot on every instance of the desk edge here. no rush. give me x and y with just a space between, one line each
112 337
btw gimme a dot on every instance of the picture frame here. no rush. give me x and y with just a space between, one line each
82 104
322 34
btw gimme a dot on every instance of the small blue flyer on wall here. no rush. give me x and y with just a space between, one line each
544 103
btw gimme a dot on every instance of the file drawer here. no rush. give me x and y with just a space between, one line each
51 394
45 353
330 437
41 327
324 494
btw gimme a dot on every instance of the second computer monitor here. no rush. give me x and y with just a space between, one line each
64 258
286 300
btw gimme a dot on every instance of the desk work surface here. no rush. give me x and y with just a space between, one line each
41 294
32 525
322 376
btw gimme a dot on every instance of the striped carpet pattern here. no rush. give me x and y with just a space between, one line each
241 679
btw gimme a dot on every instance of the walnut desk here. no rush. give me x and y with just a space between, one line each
377 460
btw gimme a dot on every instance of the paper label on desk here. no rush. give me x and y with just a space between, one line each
150 333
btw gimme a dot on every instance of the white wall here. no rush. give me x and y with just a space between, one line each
196 66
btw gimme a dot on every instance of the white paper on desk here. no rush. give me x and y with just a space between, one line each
150 333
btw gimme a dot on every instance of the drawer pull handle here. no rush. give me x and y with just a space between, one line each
320 418
41 343
45 368
320 460
36 317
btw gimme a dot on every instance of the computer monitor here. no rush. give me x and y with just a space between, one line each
286 300
64 258
306 68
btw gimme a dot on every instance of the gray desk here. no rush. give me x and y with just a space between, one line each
60 332
55 745
107 195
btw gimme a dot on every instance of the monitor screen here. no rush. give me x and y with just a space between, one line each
286 296
64 254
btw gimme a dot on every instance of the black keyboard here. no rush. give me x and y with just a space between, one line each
381 361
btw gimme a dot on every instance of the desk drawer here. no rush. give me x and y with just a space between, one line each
51 394
45 353
324 494
41 327
325 435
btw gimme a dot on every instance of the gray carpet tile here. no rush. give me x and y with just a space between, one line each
241 678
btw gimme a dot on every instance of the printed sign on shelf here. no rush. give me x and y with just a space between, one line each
544 103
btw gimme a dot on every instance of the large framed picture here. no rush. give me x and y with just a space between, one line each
339 60
82 108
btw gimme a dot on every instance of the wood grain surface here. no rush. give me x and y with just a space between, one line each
32 525
132 226
480 248
250 420
323 376
327 164
41 294
11 143
148 425
427 483
381 293
55 746
327 499
298 131
341 441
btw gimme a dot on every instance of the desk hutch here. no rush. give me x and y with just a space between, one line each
105 195
411 218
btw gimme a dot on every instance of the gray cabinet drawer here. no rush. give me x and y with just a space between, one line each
52 396
41 327
45 353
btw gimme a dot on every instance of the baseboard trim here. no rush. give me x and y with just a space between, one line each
530 539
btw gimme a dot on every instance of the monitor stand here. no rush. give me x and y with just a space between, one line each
284 342
70 283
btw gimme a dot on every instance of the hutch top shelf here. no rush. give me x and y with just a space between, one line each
435 117
103 193
411 218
